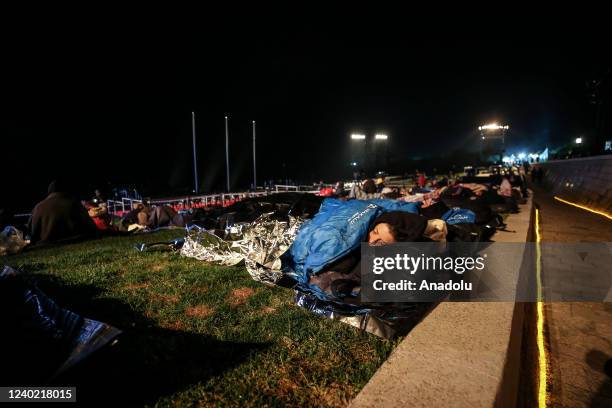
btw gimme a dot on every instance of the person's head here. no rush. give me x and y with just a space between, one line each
382 234
59 185
369 187
396 226
390 193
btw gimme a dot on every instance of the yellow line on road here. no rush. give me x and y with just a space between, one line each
542 361
582 207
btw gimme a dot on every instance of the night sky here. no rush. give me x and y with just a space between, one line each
113 104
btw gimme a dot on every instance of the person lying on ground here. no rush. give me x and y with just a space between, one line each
163 216
152 217
133 217
343 276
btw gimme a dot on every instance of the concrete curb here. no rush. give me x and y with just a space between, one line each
462 355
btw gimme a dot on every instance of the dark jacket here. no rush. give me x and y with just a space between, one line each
60 217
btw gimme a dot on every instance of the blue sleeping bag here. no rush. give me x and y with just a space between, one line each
337 229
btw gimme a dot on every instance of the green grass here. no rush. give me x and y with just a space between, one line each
197 334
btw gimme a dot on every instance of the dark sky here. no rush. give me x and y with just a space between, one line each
113 104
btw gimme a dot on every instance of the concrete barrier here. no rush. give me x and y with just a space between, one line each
461 355
586 181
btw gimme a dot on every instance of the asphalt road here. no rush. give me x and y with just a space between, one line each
579 333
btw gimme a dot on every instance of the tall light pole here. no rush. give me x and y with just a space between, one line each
382 138
195 159
227 152
254 161
358 149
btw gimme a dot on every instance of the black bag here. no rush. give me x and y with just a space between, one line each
434 211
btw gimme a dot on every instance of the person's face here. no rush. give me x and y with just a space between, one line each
381 235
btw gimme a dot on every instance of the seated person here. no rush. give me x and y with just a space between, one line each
365 190
60 217
99 215
505 190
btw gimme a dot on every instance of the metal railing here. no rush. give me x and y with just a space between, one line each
180 203
125 205
281 188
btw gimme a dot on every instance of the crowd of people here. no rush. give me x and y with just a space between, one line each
321 258
62 217
507 186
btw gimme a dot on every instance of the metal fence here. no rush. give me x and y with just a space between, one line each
184 203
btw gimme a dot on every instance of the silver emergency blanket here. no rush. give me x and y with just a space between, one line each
259 244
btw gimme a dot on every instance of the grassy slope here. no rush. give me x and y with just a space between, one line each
198 334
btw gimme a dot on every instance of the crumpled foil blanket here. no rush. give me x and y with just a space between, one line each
259 244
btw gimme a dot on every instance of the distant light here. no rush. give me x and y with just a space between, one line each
380 136
506 159
578 140
483 138
490 126
493 126
521 156
354 164
357 136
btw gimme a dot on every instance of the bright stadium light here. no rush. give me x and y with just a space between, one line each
380 136
507 159
578 140
521 156
493 126
357 136
489 126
